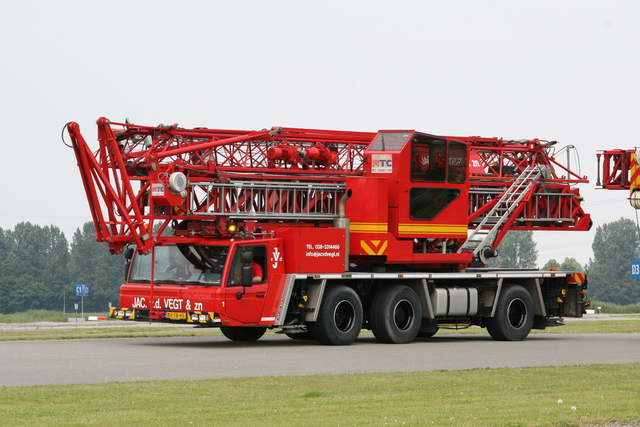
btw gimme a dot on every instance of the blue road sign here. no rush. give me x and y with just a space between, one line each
635 269
82 290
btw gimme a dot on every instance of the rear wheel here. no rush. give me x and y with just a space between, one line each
396 315
243 333
339 318
514 315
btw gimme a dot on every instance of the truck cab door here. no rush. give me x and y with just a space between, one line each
246 303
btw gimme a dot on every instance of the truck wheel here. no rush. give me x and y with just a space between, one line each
339 318
396 315
243 333
514 315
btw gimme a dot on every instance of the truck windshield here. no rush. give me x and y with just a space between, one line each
182 264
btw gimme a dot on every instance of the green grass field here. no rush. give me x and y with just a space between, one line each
554 396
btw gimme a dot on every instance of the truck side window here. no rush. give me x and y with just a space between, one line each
428 160
427 203
436 160
259 265
457 162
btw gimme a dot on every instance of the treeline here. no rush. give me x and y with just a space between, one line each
39 269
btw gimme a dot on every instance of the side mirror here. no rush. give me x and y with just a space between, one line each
246 257
247 269
128 253
247 275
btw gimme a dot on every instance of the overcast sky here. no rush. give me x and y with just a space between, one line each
555 70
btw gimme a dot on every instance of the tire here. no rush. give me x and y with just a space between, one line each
243 333
339 318
396 315
514 315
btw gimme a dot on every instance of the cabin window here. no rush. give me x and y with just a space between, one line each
182 264
427 203
389 141
457 162
436 160
259 262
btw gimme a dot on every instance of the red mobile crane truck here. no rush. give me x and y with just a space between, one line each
322 233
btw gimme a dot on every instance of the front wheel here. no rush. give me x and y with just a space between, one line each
396 315
339 318
514 315
243 333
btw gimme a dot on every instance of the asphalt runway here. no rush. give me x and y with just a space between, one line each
30 363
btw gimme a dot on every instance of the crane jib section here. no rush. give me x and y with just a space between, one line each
143 179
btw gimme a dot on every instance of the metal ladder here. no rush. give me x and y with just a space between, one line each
268 200
484 234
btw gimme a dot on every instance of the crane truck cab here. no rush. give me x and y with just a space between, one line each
208 283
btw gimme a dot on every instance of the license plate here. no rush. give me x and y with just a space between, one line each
176 315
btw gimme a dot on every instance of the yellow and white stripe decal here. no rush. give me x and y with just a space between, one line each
410 228
368 227
433 229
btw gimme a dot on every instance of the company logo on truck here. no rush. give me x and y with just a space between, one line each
168 303
381 163
276 257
